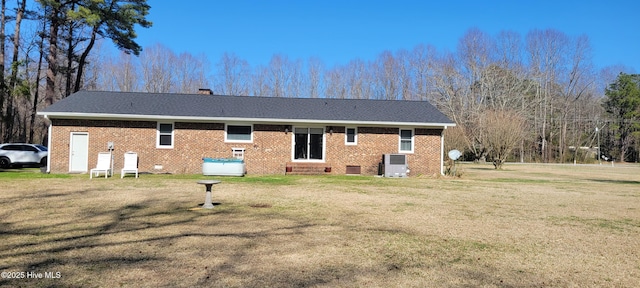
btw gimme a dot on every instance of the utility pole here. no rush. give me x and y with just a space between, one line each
599 156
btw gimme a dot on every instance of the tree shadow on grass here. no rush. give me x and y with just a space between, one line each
488 168
143 226
612 181
129 241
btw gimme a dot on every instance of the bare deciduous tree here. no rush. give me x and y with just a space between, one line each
503 132
387 77
336 84
127 79
284 77
233 75
421 59
315 69
120 73
157 69
358 80
190 73
546 50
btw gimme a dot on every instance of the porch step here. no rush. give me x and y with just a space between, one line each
295 168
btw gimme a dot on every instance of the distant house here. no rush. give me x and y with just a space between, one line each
172 133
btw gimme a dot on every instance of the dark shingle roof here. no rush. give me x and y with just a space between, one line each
183 106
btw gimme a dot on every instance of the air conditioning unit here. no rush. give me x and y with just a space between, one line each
394 165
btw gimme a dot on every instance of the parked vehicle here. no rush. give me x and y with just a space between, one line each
21 154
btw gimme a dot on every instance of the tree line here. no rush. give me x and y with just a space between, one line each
536 97
531 98
47 46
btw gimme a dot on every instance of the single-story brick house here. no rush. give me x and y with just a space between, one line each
172 133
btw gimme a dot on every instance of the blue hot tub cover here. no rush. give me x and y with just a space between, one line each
222 160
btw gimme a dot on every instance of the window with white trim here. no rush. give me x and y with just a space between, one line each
406 141
164 135
238 133
351 136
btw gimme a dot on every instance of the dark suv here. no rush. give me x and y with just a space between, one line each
19 154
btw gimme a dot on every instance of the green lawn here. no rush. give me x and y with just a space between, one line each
524 226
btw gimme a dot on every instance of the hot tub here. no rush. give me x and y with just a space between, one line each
222 167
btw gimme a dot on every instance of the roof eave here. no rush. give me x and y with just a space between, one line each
137 117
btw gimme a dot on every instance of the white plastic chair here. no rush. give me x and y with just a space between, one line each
103 165
130 164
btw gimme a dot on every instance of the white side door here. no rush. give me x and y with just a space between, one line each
79 152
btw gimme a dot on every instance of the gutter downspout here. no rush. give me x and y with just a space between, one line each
442 151
49 144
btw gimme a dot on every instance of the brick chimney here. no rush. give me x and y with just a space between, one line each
205 91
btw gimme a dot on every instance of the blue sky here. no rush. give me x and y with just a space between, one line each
339 31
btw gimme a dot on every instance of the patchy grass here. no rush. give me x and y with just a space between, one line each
524 226
615 225
267 179
28 173
517 180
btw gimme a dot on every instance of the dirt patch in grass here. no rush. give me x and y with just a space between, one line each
528 225
260 205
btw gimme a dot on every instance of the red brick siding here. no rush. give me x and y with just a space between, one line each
133 133
372 142
427 153
267 154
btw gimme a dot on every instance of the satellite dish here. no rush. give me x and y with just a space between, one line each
454 154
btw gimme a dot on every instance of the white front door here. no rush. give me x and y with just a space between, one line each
79 152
